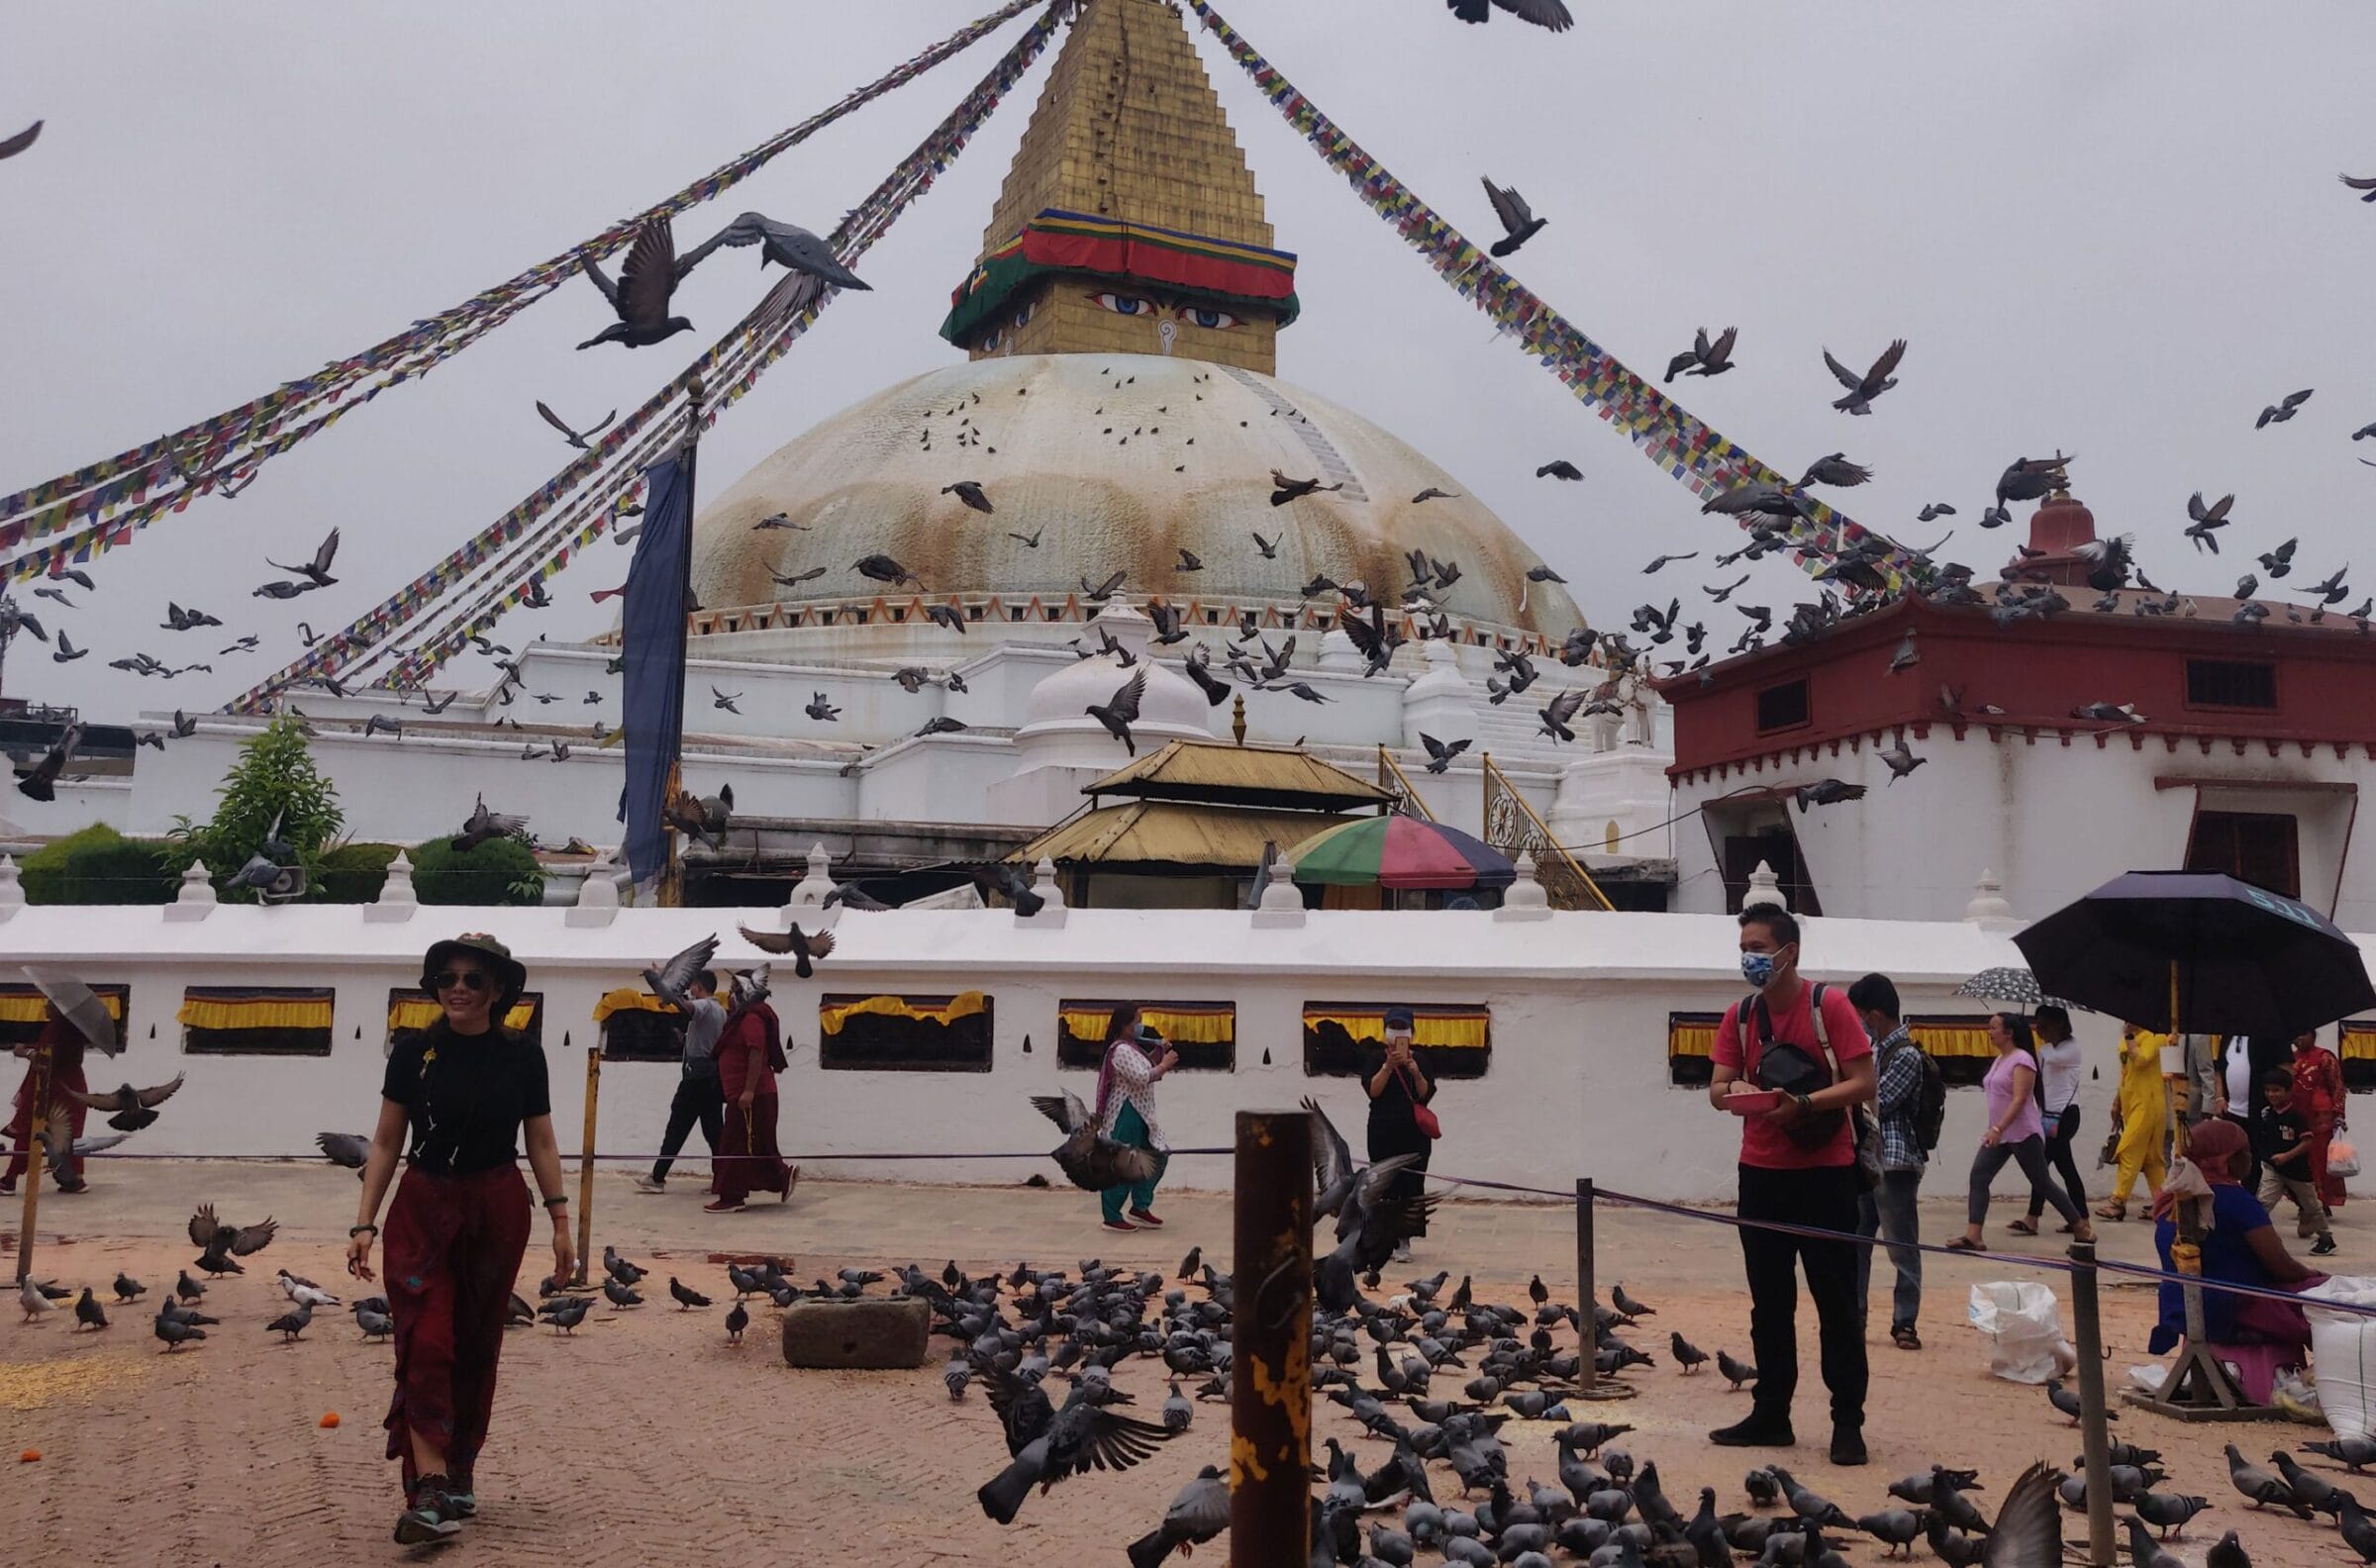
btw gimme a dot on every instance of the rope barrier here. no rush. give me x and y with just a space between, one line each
201 456
737 361
314 1156
1684 446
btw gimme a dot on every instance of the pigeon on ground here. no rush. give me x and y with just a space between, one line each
2353 1454
2168 1510
302 1291
88 1314
2142 1552
685 1297
1178 1411
2264 1489
291 1323
1688 1357
129 1289
375 1325
737 1319
619 1295
186 1288
569 1310
174 1332
1736 1373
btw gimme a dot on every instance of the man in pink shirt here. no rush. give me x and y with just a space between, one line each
1797 1166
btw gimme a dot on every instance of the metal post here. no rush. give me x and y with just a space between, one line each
1587 1318
2096 1435
1270 1391
36 1121
585 1163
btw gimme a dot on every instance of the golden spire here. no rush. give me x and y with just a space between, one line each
1129 134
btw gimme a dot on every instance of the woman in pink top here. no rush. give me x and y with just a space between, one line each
2015 1131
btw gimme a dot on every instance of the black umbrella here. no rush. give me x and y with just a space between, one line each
2233 958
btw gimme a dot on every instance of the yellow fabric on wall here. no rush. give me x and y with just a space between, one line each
1199 1025
419 1013
1690 1038
30 1008
2358 1043
628 997
965 1003
256 1012
1952 1039
1457 1029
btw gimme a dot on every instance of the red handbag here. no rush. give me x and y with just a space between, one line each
1423 1117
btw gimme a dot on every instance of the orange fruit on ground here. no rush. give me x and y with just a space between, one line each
28 1456
331 1420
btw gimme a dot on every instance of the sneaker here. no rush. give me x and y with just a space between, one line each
723 1206
1146 1217
429 1518
1756 1432
651 1184
2322 1246
1121 1226
465 1504
8 1187
1848 1445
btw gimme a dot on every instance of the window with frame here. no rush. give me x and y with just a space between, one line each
636 1025
1448 1040
2260 847
2230 684
1204 1034
410 1010
23 1010
1783 707
256 1020
884 1032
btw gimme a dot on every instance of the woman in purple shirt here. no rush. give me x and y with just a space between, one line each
2015 1131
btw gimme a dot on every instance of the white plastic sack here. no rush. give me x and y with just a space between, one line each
2342 1353
2025 1342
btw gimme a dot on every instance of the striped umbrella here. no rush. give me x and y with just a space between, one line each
1399 852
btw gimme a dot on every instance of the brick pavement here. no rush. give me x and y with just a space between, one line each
647 1438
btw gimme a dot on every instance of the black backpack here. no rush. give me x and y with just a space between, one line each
1930 1101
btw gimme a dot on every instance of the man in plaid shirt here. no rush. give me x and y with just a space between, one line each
1889 1210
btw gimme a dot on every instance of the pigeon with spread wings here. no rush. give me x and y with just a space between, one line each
40 782
483 825
1088 1158
1370 1224
220 1243
786 244
646 286
1863 389
804 946
1518 220
317 570
669 980
134 1108
1121 710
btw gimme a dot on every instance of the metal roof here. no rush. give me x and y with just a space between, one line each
1174 832
1216 772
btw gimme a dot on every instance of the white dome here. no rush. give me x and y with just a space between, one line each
1058 728
1108 463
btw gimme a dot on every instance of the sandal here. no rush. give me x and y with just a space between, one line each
1905 1338
2027 1227
1965 1244
2112 1210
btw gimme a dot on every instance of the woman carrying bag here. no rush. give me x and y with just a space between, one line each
1136 1059
1400 1122
2015 1131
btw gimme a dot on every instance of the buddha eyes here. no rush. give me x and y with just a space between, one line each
1124 304
1139 305
1215 320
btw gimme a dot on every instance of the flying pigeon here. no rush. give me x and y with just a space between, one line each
646 286
1518 220
1863 389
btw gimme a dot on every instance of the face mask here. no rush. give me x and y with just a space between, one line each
1757 968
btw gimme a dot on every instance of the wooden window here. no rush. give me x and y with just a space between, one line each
1690 1048
2358 1048
635 1025
905 1034
410 1010
1958 1043
256 1020
1448 1040
2230 684
1204 1034
2260 847
1783 707
23 1009
1775 846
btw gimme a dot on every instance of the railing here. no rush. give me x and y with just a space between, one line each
1511 825
1391 776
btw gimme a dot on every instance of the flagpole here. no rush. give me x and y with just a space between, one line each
672 869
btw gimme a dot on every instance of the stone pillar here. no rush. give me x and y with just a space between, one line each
1282 902
1526 899
1052 913
1766 887
196 900
12 890
397 898
1440 701
597 896
810 891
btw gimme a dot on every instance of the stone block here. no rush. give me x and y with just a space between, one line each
876 1335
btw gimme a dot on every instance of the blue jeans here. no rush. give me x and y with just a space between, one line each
1130 1130
1888 1211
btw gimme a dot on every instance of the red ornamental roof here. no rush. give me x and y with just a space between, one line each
2199 677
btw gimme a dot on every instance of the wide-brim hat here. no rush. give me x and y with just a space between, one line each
511 975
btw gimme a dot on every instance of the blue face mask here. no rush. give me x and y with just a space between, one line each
1757 968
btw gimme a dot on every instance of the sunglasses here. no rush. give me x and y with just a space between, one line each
468 979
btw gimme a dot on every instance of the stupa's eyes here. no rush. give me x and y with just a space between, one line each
1124 304
1213 320
990 340
1024 315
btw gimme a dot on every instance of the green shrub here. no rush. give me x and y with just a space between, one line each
353 873
99 865
499 871
274 780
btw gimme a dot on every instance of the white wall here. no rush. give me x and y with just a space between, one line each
1579 1006
2051 821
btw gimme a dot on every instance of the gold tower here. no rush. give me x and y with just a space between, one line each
1129 222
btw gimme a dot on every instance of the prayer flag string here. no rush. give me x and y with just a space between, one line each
1706 461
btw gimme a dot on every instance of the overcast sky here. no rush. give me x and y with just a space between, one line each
2112 228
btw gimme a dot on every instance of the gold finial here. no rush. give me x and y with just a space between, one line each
1237 716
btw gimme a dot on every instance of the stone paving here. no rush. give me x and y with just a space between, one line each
647 1438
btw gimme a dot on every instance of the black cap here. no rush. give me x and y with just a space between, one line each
1398 1017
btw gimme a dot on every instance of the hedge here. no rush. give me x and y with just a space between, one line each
355 873
99 865
483 875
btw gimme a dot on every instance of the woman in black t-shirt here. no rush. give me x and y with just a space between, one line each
465 1090
1396 1085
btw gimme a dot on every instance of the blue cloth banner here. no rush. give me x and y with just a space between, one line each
653 640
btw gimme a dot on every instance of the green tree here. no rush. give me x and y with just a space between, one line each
274 780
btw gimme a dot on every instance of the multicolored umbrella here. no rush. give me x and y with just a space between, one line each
1400 852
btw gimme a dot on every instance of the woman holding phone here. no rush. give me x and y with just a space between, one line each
1397 1090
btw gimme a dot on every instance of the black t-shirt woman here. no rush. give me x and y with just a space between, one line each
459 1099
1396 1084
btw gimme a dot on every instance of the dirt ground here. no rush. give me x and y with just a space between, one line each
646 1437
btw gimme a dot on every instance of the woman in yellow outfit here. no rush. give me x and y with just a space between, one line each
2140 1117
